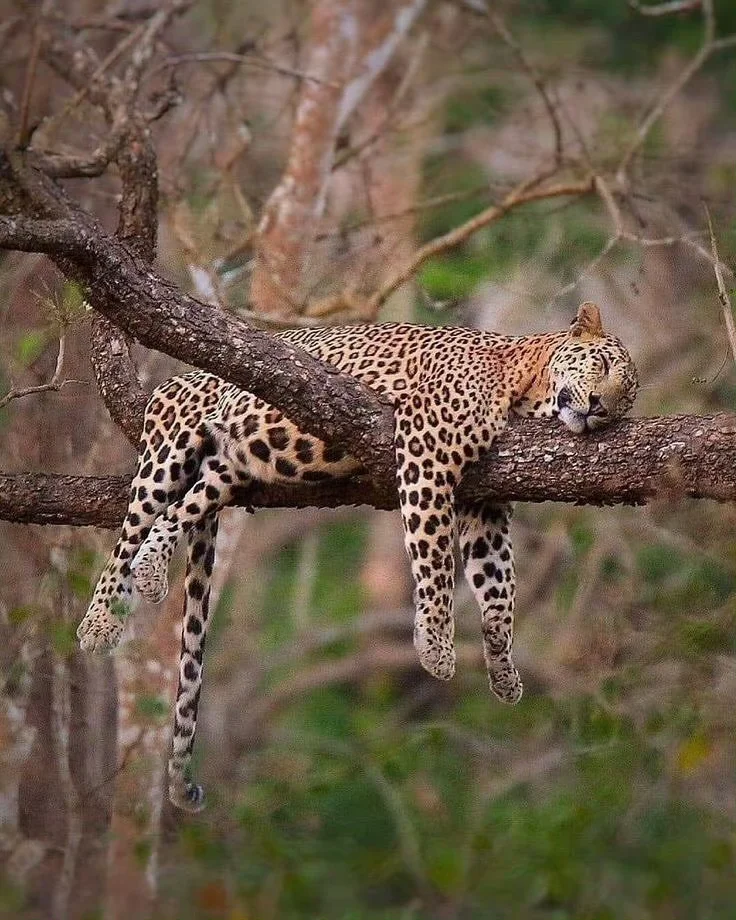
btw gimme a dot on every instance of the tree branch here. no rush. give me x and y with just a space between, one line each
56 383
129 144
337 408
632 463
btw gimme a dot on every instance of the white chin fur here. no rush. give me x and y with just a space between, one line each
572 420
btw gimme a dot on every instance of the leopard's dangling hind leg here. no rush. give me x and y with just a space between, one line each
201 539
212 490
166 467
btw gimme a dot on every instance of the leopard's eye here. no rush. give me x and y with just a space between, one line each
606 365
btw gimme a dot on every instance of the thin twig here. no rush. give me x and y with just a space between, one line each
55 384
214 57
392 108
524 193
610 243
69 166
503 32
722 292
666 9
102 24
145 48
117 52
30 79
707 47
436 201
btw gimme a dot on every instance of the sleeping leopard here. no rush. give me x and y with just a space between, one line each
452 390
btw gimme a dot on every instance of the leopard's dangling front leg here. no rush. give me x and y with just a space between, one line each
426 479
432 452
488 558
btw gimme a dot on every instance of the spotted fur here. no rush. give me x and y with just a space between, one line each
452 390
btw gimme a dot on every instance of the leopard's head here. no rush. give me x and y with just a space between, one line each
592 376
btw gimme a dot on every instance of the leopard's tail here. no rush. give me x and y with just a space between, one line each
201 538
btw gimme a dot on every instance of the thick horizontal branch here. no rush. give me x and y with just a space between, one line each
632 463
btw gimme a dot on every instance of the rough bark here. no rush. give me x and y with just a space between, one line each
632 463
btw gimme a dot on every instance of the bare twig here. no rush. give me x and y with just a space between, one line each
30 79
620 234
54 385
391 110
69 166
722 292
231 57
524 193
145 47
708 46
103 24
666 9
611 243
566 289
91 86
436 201
502 30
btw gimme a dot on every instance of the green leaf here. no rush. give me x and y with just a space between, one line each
63 638
31 346
152 707
18 615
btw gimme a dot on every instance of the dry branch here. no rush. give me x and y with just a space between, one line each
135 299
56 383
709 46
524 193
721 284
505 34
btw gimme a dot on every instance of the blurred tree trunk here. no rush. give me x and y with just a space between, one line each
350 47
146 675
64 807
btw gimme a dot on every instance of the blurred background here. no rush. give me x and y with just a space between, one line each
343 782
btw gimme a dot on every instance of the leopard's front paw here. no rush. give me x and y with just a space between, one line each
505 682
436 651
99 631
150 575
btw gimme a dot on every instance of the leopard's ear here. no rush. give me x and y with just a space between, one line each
587 321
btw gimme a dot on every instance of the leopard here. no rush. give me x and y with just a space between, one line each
452 389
